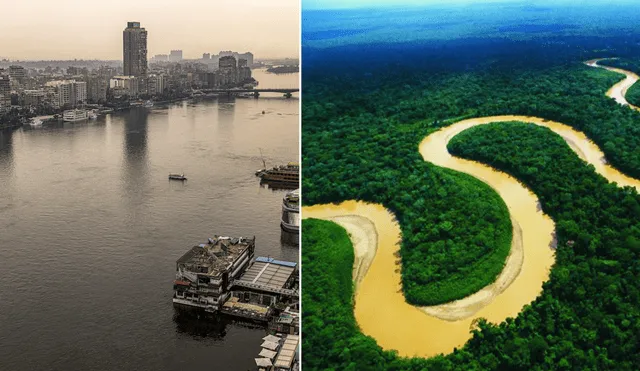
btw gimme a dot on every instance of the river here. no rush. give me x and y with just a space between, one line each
428 331
91 229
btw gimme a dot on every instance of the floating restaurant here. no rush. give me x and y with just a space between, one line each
291 212
205 272
219 277
285 177
263 290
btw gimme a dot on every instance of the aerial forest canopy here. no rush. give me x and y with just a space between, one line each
361 130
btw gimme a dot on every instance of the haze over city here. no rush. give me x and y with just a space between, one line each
71 29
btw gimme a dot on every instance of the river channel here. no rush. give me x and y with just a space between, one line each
380 307
91 229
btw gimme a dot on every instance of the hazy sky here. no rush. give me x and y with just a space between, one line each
90 29
342 4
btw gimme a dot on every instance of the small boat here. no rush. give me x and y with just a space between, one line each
74 115
177 177
35 122
148 104
92 115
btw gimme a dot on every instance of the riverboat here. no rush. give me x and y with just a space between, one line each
177 177
75 115
291 212
288 174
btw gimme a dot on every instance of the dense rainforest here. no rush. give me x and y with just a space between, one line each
633 65
361 130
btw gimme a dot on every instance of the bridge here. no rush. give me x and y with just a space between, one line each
256 92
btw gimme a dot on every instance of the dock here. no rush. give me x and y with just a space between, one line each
279 354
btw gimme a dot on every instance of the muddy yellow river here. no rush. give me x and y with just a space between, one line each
619 90
380 308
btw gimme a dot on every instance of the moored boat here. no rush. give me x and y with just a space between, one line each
288 174
75 115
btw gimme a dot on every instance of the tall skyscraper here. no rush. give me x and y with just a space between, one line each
135 50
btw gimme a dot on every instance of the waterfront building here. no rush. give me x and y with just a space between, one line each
34 98
227 67
134 50
156 84
5 93
175 56
69 92
124 85
97 86
212 80
205 273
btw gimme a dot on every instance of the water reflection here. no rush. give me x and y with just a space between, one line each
6 153
289 239
208 326
226 110
215 328
136 165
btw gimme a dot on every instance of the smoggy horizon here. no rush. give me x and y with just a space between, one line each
72 29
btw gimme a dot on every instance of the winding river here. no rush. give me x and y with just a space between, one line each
380 308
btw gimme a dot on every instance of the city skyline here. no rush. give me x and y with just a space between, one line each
77 30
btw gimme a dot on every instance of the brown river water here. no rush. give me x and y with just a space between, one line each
380 307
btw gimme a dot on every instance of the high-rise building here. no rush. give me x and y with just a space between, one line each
206 56
97 86
135 50
17 73
156 84
5 92
124 85
175 56
69 92
228 70
33 97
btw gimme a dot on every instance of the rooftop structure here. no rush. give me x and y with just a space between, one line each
268 274
287 354
267 285
205 272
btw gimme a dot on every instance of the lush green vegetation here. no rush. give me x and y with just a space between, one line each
456 229
449 222
588 317
361 130
633 65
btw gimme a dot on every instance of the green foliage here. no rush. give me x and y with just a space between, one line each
360 141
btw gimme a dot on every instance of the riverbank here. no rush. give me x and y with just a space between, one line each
379 294
619 90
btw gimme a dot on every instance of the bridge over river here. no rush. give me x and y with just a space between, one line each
256 92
